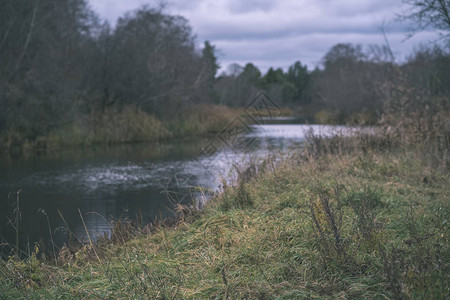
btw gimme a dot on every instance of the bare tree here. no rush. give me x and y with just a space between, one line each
42 62
429 13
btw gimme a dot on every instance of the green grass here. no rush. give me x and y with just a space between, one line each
354 225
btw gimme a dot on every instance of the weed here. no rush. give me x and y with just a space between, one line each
327 215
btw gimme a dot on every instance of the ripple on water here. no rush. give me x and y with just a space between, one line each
106 177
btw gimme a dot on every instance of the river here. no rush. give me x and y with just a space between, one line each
127 180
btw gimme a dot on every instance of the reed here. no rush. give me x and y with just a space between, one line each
113 126
17 219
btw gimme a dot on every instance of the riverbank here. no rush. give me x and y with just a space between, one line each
347 218
129 125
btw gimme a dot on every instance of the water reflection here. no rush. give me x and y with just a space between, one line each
124 180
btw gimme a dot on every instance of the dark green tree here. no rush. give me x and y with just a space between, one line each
210 68
209 60
276 84
299 76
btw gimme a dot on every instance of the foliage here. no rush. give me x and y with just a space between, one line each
242 85
60 67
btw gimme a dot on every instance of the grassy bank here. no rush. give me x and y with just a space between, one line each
347 218
129 125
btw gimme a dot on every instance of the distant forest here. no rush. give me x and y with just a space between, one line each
61 65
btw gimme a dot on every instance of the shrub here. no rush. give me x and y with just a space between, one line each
128 125
202 119
326 212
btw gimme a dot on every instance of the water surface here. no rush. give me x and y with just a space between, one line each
105 183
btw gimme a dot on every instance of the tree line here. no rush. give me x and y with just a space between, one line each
60 64
349 82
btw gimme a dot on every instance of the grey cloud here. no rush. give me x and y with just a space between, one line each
244 31
309 49
277 33
241 7
295 18
351 8
183 5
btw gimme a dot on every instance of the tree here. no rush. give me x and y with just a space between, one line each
276 84
427 72
429 13
155 63
343 54
239 86
234 69
349 83
209 70
252 73
43 61
210 61
298 75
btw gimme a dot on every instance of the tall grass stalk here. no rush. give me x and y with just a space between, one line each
88 235
18 217
50 233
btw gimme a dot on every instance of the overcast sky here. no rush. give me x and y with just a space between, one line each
278 33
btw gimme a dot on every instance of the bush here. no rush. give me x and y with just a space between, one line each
128 125
202 119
